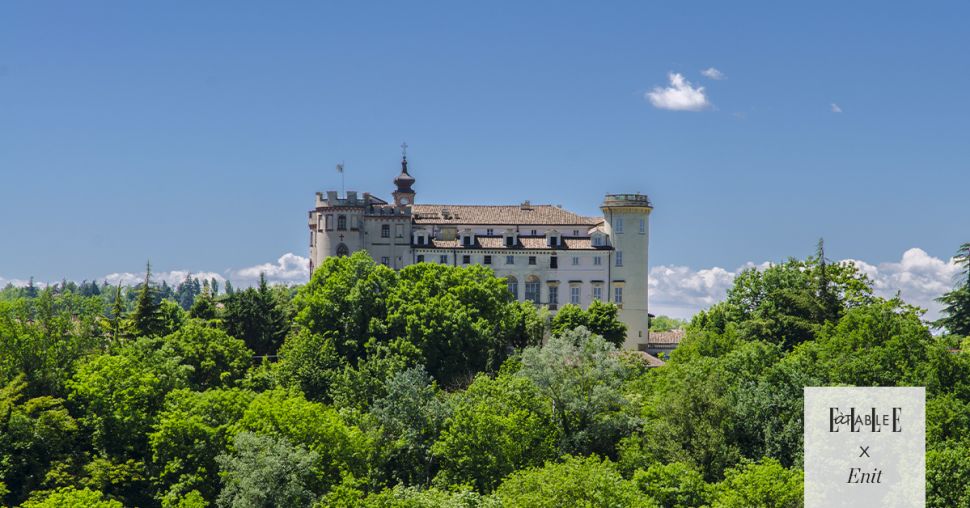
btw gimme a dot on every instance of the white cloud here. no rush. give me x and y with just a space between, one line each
20 282
835 108
172 278
677 291
679 96
680 292
713 73
919 278
289 268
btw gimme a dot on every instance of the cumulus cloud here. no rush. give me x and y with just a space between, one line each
172 278
289 268
918 277
835 108
713 73
677 291
681 95
20 282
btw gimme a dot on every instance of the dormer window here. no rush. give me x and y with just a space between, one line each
554 241
510 241
466 240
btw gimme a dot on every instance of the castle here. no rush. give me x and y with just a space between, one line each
548 255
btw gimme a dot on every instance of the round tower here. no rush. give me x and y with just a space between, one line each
627 222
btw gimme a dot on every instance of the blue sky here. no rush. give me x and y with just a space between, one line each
195 134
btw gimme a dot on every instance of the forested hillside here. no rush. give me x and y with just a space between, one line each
431 387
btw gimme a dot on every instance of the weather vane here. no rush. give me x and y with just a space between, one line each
404 150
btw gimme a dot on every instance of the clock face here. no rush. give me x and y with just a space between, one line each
404 201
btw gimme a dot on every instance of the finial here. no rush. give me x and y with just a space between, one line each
404 158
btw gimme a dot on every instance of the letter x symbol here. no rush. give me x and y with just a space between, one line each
865 451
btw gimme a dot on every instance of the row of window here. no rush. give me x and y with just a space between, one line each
342 226
341 222
467 240
466 259
618 226
575 293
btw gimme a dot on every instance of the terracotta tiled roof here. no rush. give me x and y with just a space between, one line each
443 244
671 337
525 242
499 214
647 358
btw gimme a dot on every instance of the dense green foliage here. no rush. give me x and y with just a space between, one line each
431 387
956 303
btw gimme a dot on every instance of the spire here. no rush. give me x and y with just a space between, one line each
404 158
404 181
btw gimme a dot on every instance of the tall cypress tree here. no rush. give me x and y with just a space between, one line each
829 306
147 317
956 310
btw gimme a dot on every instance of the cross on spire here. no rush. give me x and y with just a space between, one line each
404 150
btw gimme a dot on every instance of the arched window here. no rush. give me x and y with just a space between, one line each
342 250
513 286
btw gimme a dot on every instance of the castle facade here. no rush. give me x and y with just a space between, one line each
547 255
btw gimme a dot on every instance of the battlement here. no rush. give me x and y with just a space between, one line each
633 200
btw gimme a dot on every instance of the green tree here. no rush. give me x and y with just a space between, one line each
147 317
188 435
666 323
604 321
948 477
341 448
254 316
788 303
956 303
498 426
44 338
120 394
344 299
266 471
359 385
35 433
411 417
216 358
764 484
117 324
686 404
310 361
581 482
674 485
462 319
581 374
204 306
73 498
600 318
400 496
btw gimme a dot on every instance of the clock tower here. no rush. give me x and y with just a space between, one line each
404 194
